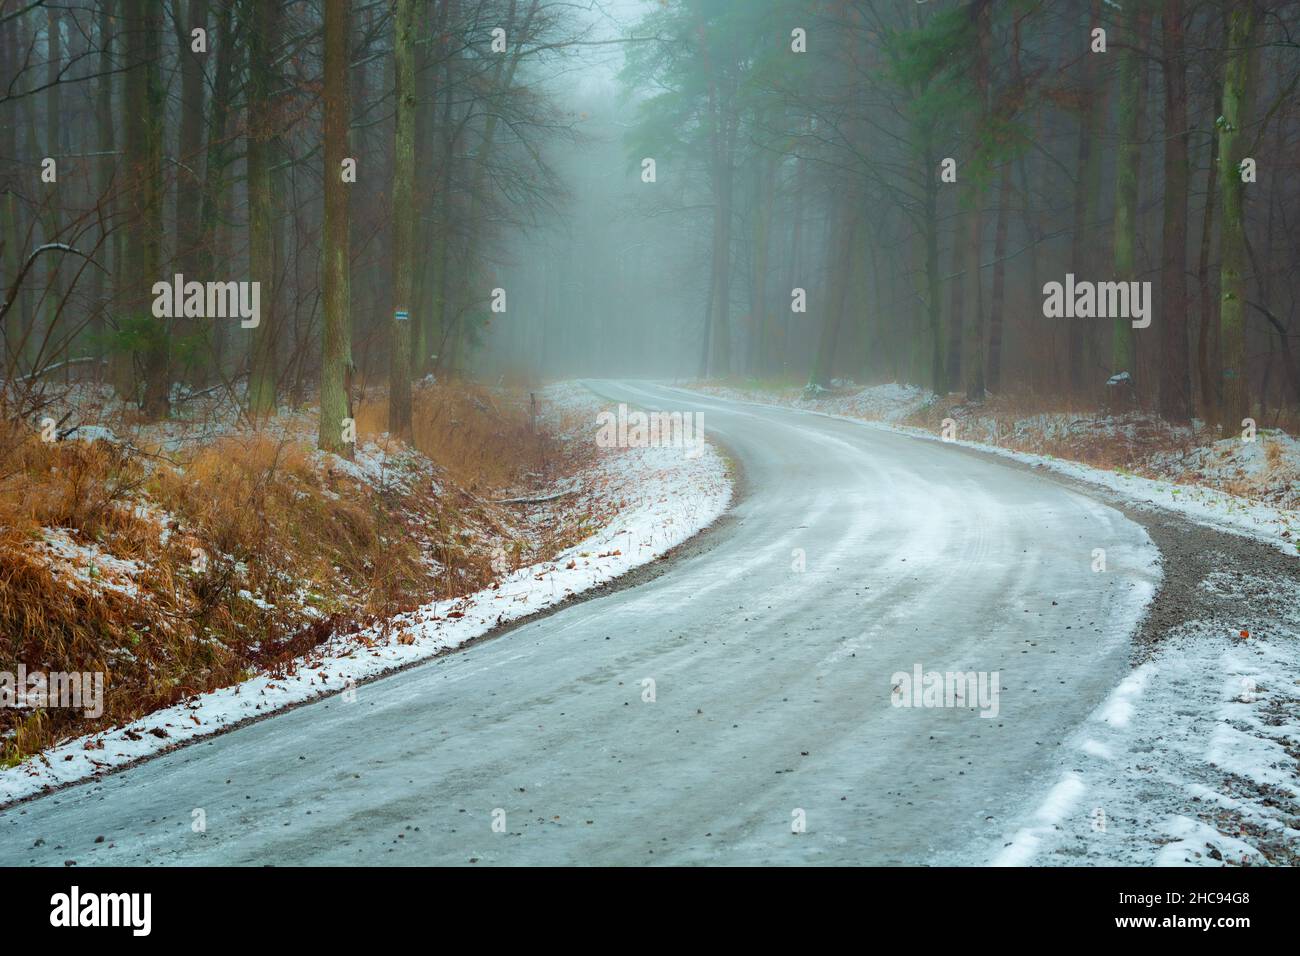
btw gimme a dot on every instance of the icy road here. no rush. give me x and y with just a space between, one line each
743 707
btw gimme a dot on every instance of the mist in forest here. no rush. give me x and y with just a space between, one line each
1083 200
727 400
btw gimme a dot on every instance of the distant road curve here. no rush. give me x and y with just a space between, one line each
771 707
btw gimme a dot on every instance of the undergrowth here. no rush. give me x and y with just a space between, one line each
175 572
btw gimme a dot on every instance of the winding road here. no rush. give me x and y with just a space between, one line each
772 690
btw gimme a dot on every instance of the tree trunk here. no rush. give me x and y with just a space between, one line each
956 301
189 172
975 332
261 224
1232 284
28 305
1207 330
721 359
1082 332
399 369
52 197
794 278
764 179
16 322
706 349
975 335
105 137
930 228
833 314
126 293
215 195
1175 374
1132 96
144 105
998 300
336 357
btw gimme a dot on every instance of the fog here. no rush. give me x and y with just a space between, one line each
663 423
610 283
927 175
768 189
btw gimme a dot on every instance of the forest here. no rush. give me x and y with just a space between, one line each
787 384
286 146
926 172
806 189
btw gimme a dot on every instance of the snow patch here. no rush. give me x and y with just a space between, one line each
1056 807
1274 459
1200 767
91 567
666 499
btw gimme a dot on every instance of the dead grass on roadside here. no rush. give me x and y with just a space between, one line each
1059 428
177 574
482 439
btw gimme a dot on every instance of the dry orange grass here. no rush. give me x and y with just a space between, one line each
246 515
1032 423
488 443
52 620
251 550
484 441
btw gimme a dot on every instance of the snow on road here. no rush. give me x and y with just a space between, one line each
1191 760
857 554
739 708
1194 757
668 496
1228 462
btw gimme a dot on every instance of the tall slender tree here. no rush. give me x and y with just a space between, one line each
144 104
104 164
262 375
1136 24
399 369
1232 284
982 31
216 180
336 352
189 162
1175 373
54 150
957 294
1086 199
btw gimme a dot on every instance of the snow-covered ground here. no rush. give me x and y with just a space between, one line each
666 496
1191 761
97 570
1194 758
1266 470
1193 483
889 403
1202 504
